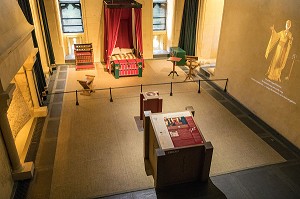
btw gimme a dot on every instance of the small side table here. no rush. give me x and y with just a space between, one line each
174 60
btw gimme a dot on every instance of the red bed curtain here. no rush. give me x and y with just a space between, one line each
112 23
138 29
124 39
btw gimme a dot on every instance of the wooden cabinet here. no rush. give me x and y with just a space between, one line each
174 149
178 52
84 57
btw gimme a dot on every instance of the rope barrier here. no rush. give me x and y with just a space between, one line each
141 87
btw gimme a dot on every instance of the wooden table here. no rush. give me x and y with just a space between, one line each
174 60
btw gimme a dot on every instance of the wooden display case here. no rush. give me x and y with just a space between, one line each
174 149
150 101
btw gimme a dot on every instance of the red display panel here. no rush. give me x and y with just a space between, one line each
183 131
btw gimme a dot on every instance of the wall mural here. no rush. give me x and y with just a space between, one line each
281 59
282 41
259 52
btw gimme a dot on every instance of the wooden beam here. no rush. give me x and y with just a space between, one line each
121 4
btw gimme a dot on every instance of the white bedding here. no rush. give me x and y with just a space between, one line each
119 51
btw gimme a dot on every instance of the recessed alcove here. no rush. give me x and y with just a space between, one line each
23 138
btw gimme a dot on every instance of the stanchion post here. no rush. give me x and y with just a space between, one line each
199 86
225 89
141 88
111 99
171 93
77 103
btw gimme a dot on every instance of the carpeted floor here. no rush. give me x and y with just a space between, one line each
100 148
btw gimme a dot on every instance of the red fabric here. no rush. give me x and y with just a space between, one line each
85 67
175 59
124 39
83 53
138 30
131 60
112 23
118 31
122 61
116 62
188 134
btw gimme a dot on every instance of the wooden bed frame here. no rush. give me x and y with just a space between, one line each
125 63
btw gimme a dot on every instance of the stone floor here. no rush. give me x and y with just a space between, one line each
273 181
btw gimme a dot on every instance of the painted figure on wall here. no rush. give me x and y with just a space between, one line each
283 42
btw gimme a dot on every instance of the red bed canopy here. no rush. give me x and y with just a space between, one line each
118 29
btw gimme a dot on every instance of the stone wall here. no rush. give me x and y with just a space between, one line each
18 113
245 35
6 182
21 81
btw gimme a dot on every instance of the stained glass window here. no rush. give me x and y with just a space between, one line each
71 18
159 14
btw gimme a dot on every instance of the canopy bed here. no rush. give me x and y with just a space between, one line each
123 47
